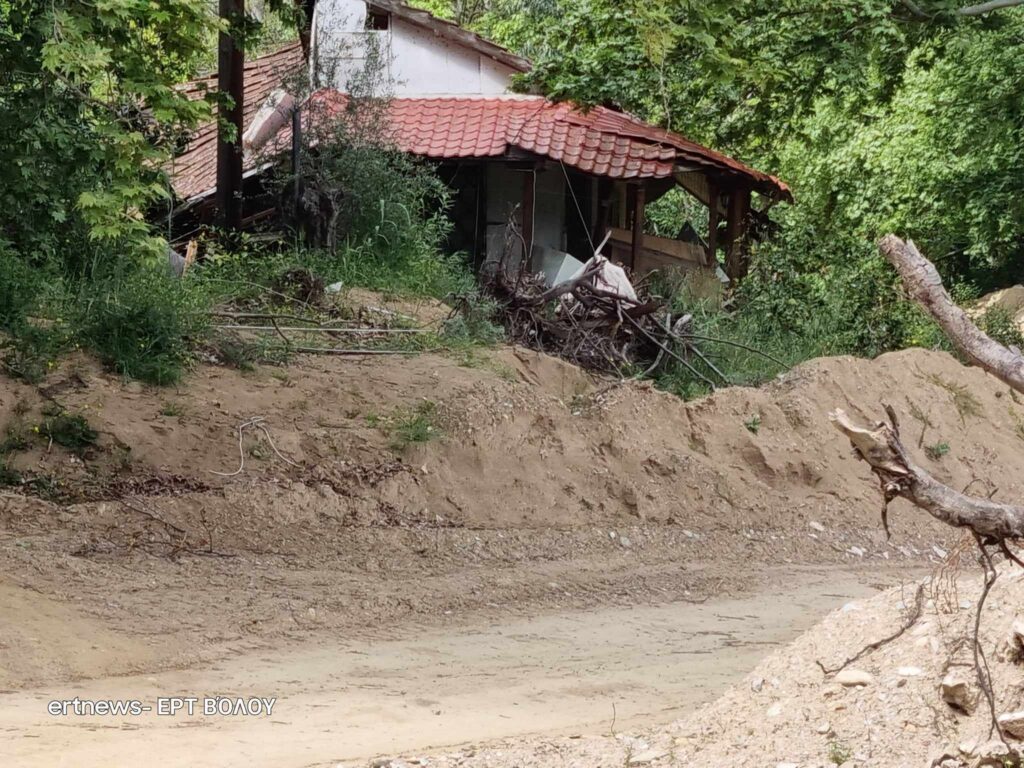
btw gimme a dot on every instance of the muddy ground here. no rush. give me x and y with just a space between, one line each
537 492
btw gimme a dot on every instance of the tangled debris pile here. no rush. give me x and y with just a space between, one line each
598 320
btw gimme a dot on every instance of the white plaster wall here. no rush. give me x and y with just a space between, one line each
339 42
425 64
418 62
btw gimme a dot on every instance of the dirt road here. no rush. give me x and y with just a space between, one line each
340 702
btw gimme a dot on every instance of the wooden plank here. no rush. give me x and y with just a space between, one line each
713 218
639 205
736 256
529 202
675 249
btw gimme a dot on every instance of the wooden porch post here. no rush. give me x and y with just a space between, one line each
736 256
230 83
639 204
529 201
605 190
713 218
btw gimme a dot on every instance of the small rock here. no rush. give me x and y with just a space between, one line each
858 551
909 671
817 526
647 757
1012 724
854 677
824 727
774 710
757 684
958 692
1017 634
992 750
967 747
624 541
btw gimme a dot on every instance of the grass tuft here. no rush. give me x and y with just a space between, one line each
69 430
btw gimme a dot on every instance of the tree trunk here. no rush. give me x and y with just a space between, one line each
925 286
881 446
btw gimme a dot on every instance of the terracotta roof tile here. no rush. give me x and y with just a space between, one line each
195 171
600 141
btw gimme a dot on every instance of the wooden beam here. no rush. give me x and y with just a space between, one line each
713 218
605 200
736 254
529 206
231 84
639 205
297 162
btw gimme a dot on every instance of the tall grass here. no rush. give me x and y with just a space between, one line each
738 342
142 323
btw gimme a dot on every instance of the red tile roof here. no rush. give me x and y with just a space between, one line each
194 172
601 141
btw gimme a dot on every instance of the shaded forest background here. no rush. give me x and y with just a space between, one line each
884 116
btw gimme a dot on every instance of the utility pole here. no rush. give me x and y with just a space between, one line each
230 83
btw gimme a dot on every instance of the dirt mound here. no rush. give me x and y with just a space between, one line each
556 448
1009 300
374 490
921 706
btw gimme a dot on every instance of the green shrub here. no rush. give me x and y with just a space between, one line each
406 426
29 345
20 287
473 322
70 430
742 344
244 274
142 324
415 426
999 324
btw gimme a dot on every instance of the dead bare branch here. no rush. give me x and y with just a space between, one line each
899 476
924 285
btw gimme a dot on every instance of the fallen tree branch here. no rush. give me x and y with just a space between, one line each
882 449
327 330
353 352
981 668
915 614
924 285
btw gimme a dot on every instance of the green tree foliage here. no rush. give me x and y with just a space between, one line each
882 115
88 113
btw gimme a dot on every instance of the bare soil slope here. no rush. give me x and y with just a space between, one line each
535 476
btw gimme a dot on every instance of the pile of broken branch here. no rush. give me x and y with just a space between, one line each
599 321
